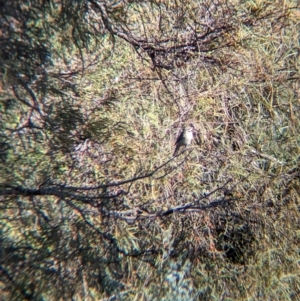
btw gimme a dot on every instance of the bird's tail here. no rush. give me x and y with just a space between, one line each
176 149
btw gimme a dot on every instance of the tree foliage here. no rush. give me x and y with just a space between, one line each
93 205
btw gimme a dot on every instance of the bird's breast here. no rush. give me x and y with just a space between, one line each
188 138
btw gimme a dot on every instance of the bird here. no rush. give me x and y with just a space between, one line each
185 138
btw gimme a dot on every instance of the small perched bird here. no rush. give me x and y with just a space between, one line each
185 138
